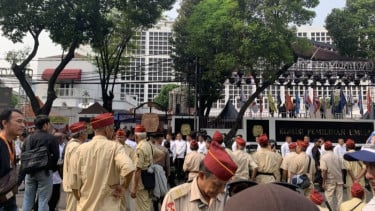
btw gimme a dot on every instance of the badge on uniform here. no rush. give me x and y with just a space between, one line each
170 207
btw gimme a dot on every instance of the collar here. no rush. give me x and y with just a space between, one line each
99 137
195 193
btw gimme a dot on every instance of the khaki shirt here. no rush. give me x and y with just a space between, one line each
245 163
187 197
267 161
101 163
332 164
299 165
288 159
355 167
144 155
350 204
191 163
70 149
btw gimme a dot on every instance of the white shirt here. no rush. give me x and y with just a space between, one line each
180 148
131 143
309 150
188 150
284 149
339 152
370 206
202 147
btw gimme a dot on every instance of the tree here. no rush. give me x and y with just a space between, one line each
353 29
249 35
126 21
163 97
69 23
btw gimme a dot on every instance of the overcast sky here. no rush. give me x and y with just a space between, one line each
47 48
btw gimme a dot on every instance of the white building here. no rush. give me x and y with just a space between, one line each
319 34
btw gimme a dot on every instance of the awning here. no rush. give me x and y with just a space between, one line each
66 74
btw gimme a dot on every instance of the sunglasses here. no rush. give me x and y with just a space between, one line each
237 186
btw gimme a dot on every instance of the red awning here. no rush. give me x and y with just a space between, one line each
66 74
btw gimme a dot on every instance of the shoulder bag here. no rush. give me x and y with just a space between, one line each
148 176
34 160
9 182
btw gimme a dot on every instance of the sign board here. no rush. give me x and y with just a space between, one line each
255 128
331 130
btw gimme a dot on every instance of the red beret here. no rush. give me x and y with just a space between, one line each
263 139
328 145
218 137
303 144
102 120
350 143
240 141
139 129
77 127
316 197
218 162
193 144
120 132
292 145
357 190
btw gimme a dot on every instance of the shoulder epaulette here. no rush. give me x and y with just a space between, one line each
180 191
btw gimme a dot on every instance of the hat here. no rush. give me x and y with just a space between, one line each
265 197
292 145
303 144
350 143
328 145
120 132
357 190
263 139
77 127
366 154
240 141
218 162
316 197
194 144
139 129
218 137
102 120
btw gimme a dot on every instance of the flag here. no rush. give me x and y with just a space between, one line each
272 105
342 102
350 102
306 98
288 102
316 102
278 100
360 105
368 98
298 104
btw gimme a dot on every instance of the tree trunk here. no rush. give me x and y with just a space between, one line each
107 101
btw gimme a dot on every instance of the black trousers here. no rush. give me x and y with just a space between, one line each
179 164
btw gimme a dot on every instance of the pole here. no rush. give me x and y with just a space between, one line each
196 96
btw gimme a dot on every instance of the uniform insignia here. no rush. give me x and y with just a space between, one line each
180 191
170 207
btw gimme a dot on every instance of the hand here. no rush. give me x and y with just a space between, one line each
118 191
133 194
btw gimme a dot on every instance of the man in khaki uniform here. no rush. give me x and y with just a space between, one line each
300 165
355 169
127 203
245 162
318 200
356 203
266 160
145 155
192 161
205 192
332 176
102 170
78 132
288 159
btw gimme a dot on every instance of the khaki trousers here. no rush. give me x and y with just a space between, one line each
71 202
331 191
143 200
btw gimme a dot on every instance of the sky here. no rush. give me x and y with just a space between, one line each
47 48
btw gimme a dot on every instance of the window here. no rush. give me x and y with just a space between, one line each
64 89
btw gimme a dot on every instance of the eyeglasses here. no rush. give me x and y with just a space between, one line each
235 187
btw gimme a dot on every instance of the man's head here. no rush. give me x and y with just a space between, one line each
121 136
60 137
328 146
12 122
168 137
317 142
42 122
78 131
288 139
350 144
241 143
139 133
178 136
301 146
357 190
103 124
218 137
306 138
292 146
215 171
194 145
367 155
340 141
263 141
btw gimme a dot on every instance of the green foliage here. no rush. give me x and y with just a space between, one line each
221 36
14 102
163 97
17 56
353 29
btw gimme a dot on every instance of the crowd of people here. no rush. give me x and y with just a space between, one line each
132 169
